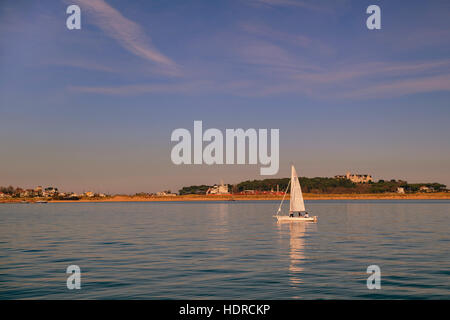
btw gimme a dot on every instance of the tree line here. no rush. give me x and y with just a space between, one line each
320 185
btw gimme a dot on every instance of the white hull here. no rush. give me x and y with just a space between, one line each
300 219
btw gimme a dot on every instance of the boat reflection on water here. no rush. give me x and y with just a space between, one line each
297 232
297 251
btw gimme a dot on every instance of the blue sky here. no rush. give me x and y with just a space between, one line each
93 109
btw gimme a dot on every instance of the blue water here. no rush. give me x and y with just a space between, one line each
225 250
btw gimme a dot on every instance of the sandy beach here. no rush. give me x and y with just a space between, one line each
307 196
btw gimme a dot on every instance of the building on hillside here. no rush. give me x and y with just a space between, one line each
401 190
38 191
50 192
25 194
165 194
218 189
426 189
356 178
88 194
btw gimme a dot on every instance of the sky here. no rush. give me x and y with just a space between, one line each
94 109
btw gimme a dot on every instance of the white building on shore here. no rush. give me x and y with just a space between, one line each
356 178
218 189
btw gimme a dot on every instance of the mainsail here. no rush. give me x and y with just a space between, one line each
296 203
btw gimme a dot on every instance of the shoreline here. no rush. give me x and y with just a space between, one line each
306 196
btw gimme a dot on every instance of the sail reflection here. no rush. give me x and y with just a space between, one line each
296 249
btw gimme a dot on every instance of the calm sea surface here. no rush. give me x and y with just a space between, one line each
225 250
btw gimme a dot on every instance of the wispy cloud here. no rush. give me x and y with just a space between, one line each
402 87
127 33
266 32
264 61
288 3
82 64
294 73
185 87
281 73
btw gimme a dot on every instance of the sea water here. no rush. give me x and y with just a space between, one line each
225 250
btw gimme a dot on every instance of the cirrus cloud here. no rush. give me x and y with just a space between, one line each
127 34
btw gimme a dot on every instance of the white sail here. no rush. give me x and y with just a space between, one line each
296 203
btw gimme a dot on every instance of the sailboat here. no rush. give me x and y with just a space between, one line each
296 203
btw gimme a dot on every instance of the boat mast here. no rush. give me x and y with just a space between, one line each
279 208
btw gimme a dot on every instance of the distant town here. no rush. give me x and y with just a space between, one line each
340 184
48 192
